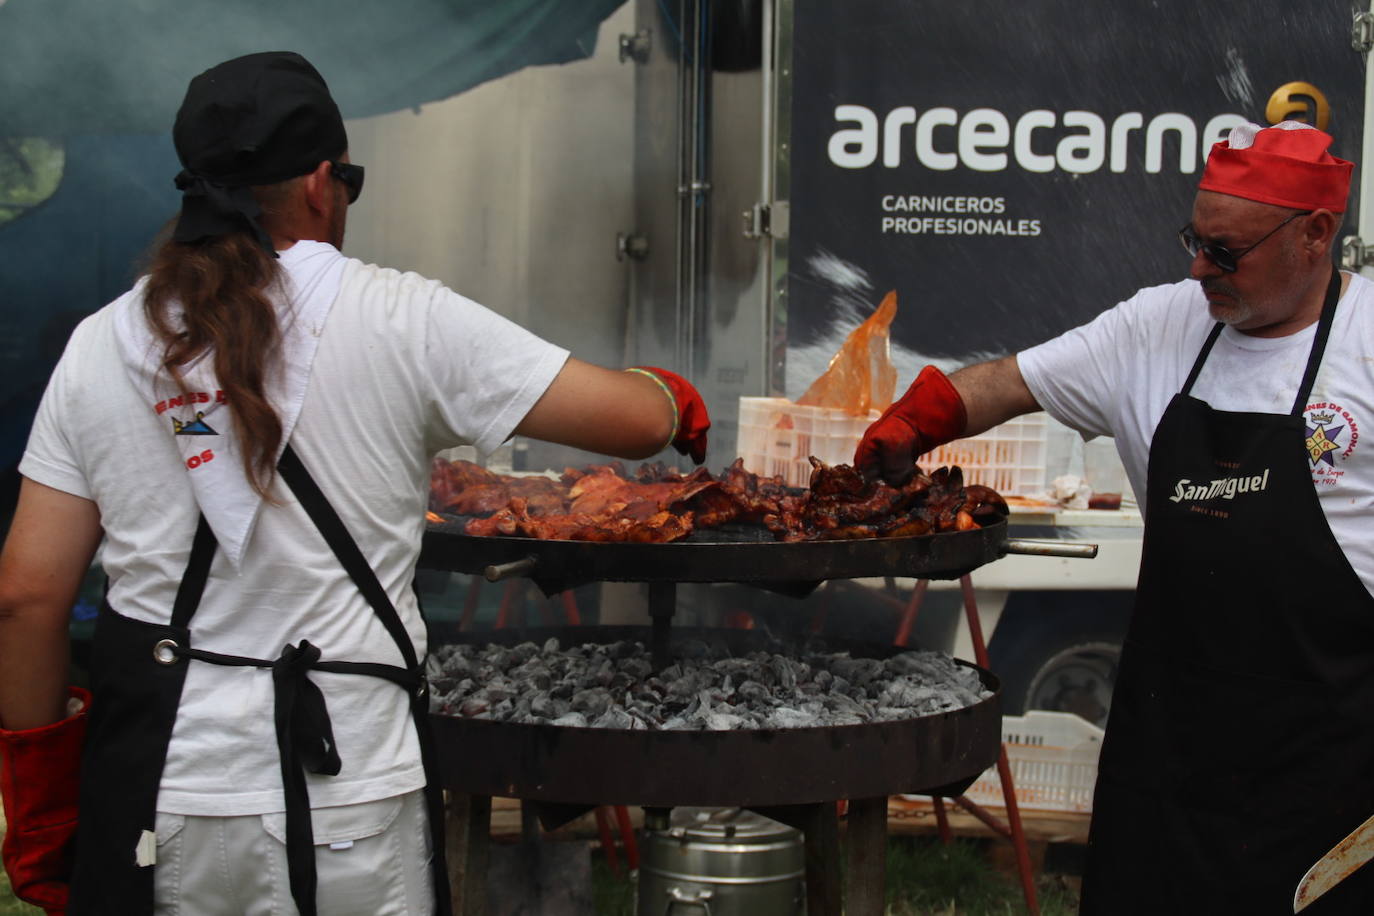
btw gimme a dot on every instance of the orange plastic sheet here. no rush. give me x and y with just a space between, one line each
860 376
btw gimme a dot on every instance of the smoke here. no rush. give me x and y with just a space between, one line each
853 298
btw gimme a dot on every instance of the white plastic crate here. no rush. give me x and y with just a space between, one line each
1053 757
1010 458
777 436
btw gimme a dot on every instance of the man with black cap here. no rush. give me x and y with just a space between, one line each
1240 743
250 428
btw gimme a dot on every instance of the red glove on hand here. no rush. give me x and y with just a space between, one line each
930 414
690 419
39 778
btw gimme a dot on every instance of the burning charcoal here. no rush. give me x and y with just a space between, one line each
604 673
593 702
723 721
547 707
613 686
475 708
685 686
787 717
638 668
754 693
534 672
615 717
858 671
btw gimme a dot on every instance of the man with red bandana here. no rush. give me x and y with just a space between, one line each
1240 745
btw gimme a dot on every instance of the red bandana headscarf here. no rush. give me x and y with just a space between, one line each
1286 165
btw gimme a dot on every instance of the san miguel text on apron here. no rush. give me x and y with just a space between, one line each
1240 745
137 675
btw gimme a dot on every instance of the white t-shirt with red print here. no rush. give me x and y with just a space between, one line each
404 367
1115 375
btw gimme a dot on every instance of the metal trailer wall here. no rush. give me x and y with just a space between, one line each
512 194
598 203
700 303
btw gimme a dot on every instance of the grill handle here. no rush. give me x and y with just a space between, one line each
1050 549
521 567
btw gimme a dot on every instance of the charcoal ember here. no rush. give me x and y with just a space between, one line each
637 668
534 672
754 693
593 702
706 687
721 721
545 706
789 717
615 717
476 707
860 671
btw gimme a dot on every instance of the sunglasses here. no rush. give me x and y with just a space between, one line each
351 175
1224 258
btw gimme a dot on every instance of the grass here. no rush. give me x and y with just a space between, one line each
924 878
10 905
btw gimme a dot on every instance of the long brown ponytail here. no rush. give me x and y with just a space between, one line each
223 285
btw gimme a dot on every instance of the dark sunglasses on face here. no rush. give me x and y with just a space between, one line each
351 175
1224 258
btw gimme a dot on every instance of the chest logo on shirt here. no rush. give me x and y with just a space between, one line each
196 427
1332 434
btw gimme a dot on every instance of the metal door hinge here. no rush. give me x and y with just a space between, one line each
635 47
1362 31
767 219
1354 253
631 245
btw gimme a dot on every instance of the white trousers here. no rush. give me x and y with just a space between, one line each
372 859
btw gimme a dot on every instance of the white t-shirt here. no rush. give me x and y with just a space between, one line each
1115 375
404 367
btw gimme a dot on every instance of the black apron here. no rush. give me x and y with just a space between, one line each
137 673
1240 745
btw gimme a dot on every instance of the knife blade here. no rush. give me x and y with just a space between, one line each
1338 864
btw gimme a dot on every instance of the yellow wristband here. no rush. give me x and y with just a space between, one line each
672 399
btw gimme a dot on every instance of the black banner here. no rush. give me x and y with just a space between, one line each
1012 170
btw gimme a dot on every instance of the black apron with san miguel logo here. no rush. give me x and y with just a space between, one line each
1240 746
137 673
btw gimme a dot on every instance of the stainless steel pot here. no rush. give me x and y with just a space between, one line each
721 862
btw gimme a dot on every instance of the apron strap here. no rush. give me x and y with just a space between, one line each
1202 357
197 573
345 549
1333 295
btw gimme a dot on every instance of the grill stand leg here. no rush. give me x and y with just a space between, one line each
867 842
467 823
819 824
662 604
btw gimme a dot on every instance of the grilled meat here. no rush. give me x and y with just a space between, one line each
660 504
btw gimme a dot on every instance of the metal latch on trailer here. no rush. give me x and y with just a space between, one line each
635 47
767 220
1362 31
1355 253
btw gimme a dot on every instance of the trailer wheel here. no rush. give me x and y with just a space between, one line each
1060 659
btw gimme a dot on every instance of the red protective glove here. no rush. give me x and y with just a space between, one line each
930 414
690 421
39 778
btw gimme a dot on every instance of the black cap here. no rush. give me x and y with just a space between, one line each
254 120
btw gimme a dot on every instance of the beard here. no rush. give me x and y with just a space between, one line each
1233 312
